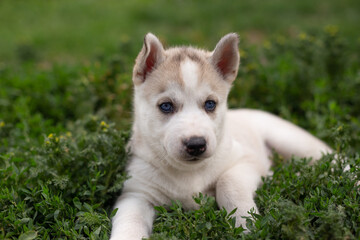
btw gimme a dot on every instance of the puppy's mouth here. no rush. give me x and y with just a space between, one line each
191 159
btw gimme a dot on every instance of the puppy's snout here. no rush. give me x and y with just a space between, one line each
195 146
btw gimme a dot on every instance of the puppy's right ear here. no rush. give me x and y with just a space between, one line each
150 56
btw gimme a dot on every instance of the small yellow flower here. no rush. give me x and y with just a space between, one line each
267 45
332 30
57 139
51 136
243 53
68 134
250 67
104 124
2 124
303 36
47 142
85 81
280 40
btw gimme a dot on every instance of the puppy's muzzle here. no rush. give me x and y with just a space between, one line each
195 146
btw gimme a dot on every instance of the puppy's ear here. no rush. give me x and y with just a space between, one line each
226 58
151 55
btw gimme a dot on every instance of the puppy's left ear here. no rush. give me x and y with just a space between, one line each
226 57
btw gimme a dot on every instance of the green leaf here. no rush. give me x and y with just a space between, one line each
77 203
208 225
97 231
56 214
232 212
28 235
113 213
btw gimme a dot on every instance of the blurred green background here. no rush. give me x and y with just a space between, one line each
72 31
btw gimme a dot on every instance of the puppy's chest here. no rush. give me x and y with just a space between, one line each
185 188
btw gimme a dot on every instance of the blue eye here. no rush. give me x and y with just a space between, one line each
166 107
210 105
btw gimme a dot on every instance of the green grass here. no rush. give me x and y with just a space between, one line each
65 112
70 31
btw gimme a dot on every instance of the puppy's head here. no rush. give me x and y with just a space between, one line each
180 99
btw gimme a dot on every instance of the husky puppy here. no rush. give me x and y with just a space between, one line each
185 140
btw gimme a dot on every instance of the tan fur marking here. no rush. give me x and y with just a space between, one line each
170 67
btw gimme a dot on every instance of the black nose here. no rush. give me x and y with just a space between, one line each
195 146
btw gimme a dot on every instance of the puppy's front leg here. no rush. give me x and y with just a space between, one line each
236 188
134 218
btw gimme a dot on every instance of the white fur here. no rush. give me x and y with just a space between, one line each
189 71
239 143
